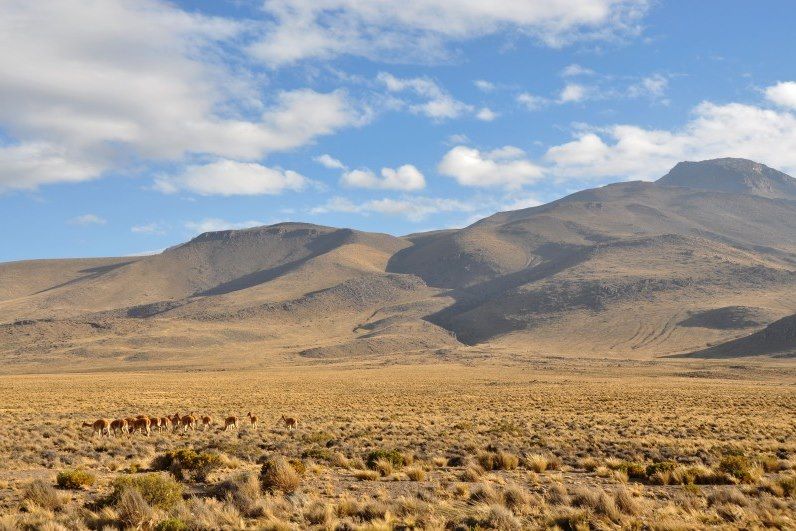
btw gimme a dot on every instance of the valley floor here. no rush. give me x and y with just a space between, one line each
526 444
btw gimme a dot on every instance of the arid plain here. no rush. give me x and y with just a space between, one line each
620 358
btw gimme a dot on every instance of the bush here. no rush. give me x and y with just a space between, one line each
74 479
738 466
133 509
244 493
394 457
416 473
279 474
660 467
171 524
498 460
536 462
158 490
44 495
178 462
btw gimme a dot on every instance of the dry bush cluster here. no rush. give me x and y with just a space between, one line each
428 447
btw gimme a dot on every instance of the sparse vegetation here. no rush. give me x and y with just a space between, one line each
600 455
74 479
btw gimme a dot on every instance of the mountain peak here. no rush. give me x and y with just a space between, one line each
732 175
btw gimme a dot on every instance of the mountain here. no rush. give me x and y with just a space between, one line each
777 339
732 175
704 256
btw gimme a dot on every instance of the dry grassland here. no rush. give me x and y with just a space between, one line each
674 446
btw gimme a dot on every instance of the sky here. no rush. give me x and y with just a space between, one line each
128 126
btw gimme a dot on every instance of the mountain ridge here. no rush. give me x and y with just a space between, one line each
616 271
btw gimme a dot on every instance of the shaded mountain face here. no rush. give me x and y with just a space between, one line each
777 339
732 175
633 269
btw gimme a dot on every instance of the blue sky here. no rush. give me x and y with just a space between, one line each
129 126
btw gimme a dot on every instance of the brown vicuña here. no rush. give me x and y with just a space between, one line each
252 419
230 421
290 423
101 427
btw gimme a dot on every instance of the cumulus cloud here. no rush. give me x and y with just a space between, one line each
633 152
329 162
228 177
653 86
436 103
406 178
420 30
575 70
414 208
505 167
483 85
87 219
531 101
143 80
486 114
573 93
783 94
216 224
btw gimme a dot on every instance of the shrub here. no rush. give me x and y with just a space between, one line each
321 454
501 518
366 475
44 495
383 467
158 490
416 473
278 474
471 474
243 491
498 460
178 462
171 524
740 467
660 466
394 457
536 462
74 479
133 509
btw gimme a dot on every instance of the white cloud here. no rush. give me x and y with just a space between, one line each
484 85
572 93
486 114
575 70
329 162
505 167
532 102
653 86
148 228
228 177
87 219
436 103
419 30
216 224
144 80
414 208
632 152
457 138
31 164
406 178
783 94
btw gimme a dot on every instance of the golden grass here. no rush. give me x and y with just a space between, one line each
425 446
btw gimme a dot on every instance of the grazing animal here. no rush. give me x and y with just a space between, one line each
154 422
252 419
119 426
188 421
175 421
142 424
164 424
101 427
291 423
207 422
231 421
